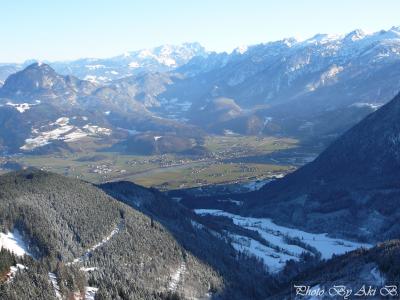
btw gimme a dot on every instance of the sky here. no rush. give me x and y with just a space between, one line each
70 29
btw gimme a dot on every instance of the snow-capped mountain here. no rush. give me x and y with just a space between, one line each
297 85
159 59
41 110
311 89
40 81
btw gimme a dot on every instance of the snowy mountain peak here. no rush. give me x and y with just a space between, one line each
322 38
241 49
39 66
355 35
163 57
393 33
395 28
290 41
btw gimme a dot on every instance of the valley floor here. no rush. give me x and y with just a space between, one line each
232 159
278 244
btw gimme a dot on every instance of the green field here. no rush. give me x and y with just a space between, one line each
170 171
209 174
248 145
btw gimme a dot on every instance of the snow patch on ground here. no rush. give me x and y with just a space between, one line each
276 234
95 79
328 76
229 132
274 260
197 225
89 269
176 278
22 107
65 132
94 129
54 283
236 202
13 242
13 271
134 64
256 185
373 106
90 292
95 67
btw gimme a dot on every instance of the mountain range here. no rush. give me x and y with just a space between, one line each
44 111
158 59
312 90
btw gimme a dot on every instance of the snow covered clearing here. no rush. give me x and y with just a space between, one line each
54 283
65 132
13 242
14 270
90 292
273 260
176 278
277 236
22 107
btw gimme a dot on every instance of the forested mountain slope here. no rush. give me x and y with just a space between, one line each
245 277
87 238
376 267
351 189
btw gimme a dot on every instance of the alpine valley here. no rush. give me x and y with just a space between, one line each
181 173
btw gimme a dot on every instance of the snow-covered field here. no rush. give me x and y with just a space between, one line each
275 235
13 242
64 131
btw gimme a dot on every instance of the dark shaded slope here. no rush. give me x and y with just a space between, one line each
244 277
375 267
352 188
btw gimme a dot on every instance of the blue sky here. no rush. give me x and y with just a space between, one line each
61 29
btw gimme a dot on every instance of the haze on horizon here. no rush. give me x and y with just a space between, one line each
66 30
